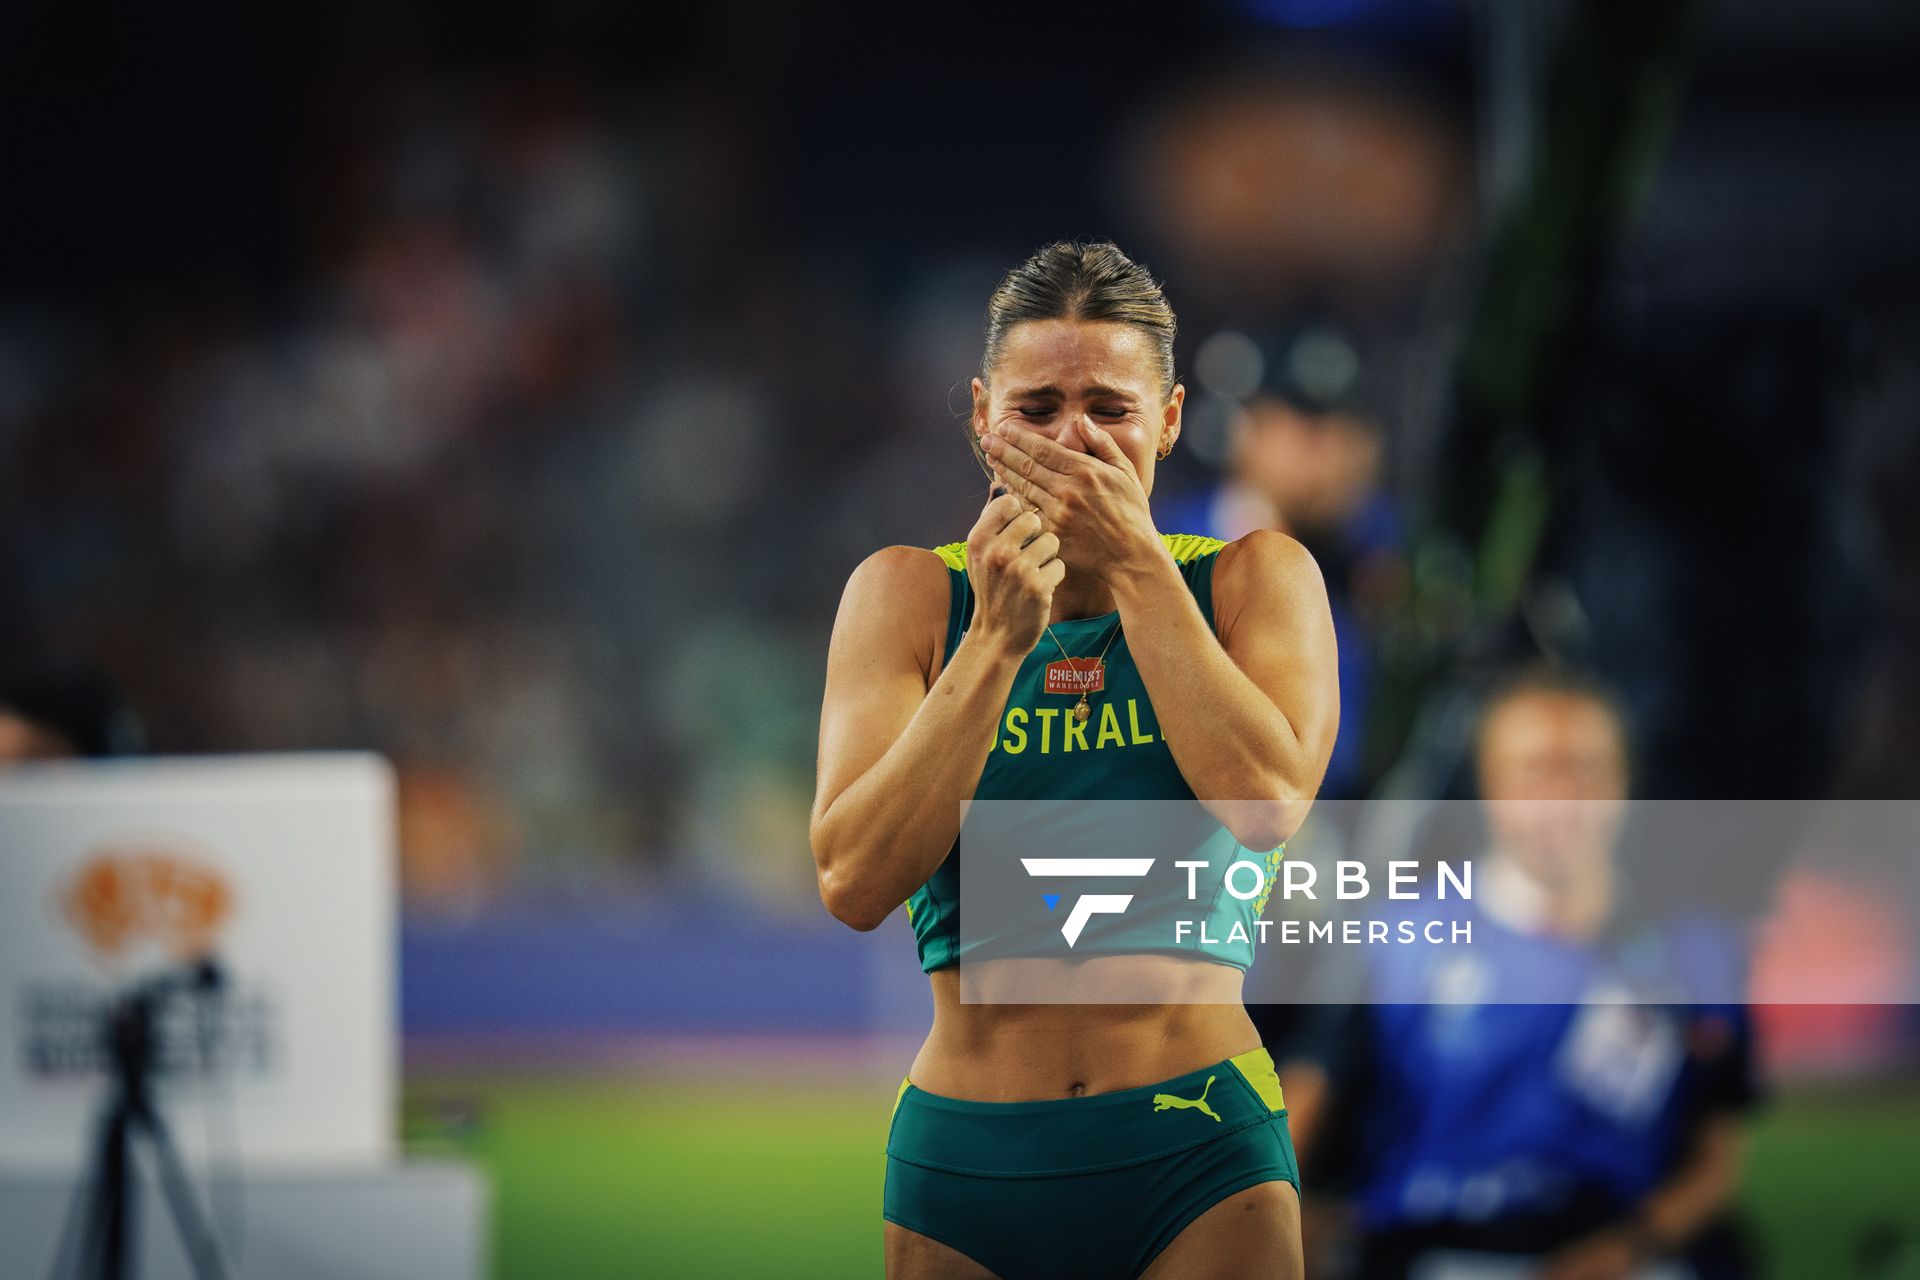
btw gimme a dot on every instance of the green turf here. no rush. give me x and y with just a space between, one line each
1832 1188
597 1178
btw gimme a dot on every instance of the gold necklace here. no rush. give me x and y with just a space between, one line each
1081 711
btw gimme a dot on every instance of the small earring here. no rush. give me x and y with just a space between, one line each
1165 450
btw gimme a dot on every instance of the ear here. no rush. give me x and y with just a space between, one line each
979 408
1170 421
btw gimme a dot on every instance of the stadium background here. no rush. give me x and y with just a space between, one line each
513 394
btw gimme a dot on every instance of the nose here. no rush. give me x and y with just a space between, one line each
1070 432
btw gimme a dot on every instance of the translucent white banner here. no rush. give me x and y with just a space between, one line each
1441 902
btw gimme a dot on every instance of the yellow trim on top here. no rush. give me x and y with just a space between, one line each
1256 1068
1181 546
904 1084
1190 546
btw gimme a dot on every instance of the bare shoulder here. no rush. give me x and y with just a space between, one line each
910 580
897 596
1265 565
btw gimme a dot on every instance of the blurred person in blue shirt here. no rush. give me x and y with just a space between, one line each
1563 1100
1305 456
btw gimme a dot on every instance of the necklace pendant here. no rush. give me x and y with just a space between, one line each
1081 711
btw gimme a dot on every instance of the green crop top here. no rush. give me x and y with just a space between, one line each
1042 753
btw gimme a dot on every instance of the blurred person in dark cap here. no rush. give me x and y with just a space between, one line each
1305 456
52 710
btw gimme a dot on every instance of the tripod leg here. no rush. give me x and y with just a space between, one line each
82 1237
203 1251
118 1212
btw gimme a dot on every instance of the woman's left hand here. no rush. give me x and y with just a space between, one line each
1090 498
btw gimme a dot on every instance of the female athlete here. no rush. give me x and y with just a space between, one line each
1056 1140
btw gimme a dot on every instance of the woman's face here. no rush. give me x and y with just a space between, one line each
1056 375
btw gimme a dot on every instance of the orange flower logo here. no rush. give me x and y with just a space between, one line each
122 897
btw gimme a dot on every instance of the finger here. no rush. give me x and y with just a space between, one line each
1027 490
1023 528
1043 547
999 512
993 518
1104 446
1045 452
999 499
1028 458
1052 572
1018 465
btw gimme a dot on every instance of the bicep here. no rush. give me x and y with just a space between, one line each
1276 625
878 665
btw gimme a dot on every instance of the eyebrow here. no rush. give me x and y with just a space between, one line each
1097 391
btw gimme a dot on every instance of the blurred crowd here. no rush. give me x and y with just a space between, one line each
531 440
542 470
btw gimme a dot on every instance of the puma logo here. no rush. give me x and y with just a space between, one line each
1166 1101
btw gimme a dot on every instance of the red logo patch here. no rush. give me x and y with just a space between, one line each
1076 675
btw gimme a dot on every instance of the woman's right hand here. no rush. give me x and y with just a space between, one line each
1014 565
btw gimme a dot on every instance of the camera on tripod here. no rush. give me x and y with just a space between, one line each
98 1240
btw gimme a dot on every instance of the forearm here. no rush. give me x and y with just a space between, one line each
1700 1190
1667 1221
1228 738
889 830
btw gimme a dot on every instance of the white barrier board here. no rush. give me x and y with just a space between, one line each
283 868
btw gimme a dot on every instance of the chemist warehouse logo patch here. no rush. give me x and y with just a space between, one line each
1076 675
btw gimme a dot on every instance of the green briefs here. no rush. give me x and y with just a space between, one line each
1088 1187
